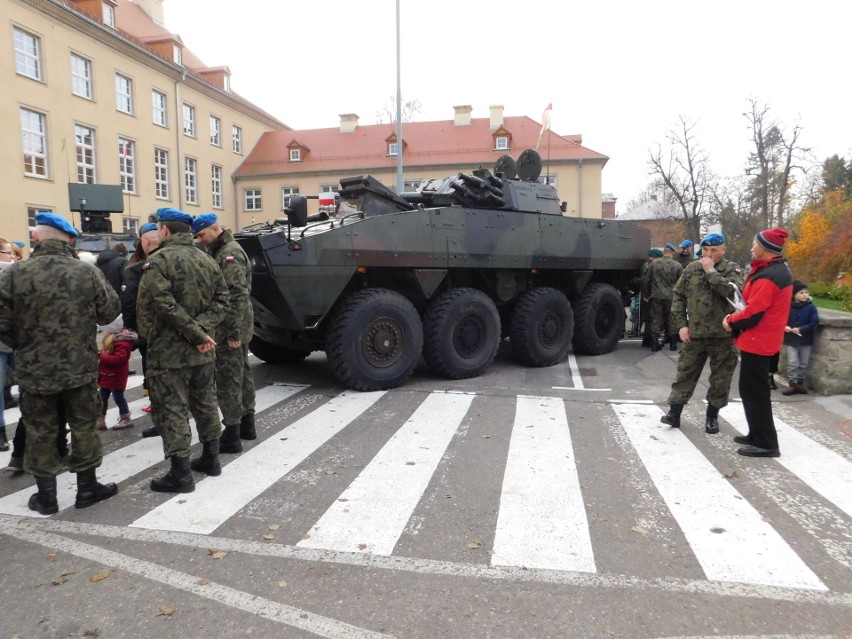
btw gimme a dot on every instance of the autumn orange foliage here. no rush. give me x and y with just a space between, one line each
822 251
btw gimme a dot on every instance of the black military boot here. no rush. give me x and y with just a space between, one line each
208 463
672 418
177 480
230 442
673 343
247 429
151 431
772 384
9 400
711 426
4 442
44 501
90 491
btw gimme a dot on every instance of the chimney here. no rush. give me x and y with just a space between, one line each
154 9
348 122
496 116
462 117
608 206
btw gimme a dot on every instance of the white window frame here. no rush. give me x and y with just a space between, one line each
216 173
81 77
393 148
123 94
548 178
237 139
286 193
84 146
253 199
411 186
127 164
188 120
130 225
109 15
295 155
501 143
34 143
159 112
161 173
227 83
215 131
27 54
177 54
190 180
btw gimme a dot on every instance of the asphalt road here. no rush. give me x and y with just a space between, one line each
524 503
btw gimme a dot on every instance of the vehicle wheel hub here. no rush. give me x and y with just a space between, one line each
383 342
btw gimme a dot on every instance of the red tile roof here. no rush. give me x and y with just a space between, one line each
426 144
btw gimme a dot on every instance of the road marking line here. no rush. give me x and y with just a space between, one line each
569 388
371 514
542 520
128 460
826 472
575 372
251 603
727 535
216 500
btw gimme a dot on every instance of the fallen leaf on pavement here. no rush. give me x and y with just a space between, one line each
203 582
217 554
165 611
274 526
100 576
269 537
639 529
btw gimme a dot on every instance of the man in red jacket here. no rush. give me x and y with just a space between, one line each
760 327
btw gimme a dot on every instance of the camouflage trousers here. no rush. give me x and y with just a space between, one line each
41 415
723 360
661 310
234 383
177 393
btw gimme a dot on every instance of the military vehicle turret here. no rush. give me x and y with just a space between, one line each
445 273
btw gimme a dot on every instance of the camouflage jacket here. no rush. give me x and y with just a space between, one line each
700 299
50 306
684 260
660 277
182 298
238 323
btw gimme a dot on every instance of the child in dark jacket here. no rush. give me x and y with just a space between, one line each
799 338
113 370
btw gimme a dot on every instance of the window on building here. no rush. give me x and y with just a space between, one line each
501 143
328 188
109 15
237 139
81 76
34 143
215 131
177 54
410 186
160 110
216 185
130 225
161 174
123 93
31 223
286 193
127 165
227 83
253 200
189 120
85 147
393 148
295 155
548 179
190 182
27 54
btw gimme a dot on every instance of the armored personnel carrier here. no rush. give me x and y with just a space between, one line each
445 273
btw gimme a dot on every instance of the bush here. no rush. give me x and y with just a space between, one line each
840 292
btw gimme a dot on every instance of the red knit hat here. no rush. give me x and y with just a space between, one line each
772 239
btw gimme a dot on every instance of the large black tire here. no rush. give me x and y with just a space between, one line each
541 327
598 319
374 340
461 333
274 353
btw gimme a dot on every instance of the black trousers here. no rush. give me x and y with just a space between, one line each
757 402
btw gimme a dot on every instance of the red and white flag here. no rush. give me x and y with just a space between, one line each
545 124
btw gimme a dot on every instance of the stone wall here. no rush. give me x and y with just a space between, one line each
830 370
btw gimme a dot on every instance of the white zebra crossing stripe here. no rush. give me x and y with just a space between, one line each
128 460
370 515
728 536
826 472
542 520
217 499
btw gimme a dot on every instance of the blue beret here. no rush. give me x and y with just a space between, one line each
714 239
655 252
204 220
173 215
19 244
56 221
686 244
146 228
671 247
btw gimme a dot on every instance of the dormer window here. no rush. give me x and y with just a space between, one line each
295 155
109 14
227 82
501 143
177 54
393 148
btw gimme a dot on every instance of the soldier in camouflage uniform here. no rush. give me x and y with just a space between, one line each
182 298
50 306
234 381
698 307
657 284
685 257
644 305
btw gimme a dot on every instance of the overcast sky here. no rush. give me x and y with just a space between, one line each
619 72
